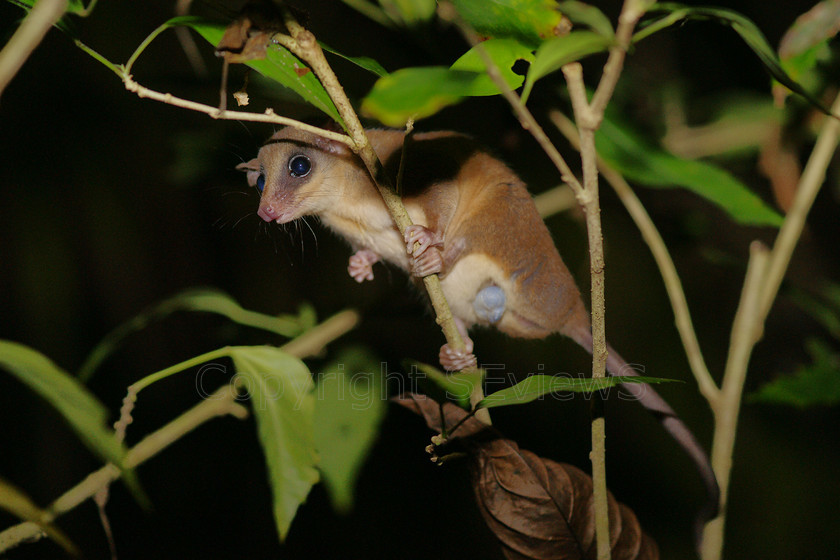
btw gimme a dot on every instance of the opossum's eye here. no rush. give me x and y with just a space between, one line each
261 183
300 166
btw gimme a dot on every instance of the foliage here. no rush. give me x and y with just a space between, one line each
814 384
322 429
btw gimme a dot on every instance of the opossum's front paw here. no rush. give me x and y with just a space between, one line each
423 248
361 264
453 360
430 262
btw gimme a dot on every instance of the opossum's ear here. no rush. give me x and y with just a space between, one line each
333 146
252 170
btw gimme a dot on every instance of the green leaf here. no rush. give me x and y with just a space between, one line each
83 411
415 93
644 163
504 53
813 28
529 21
409 12
348 411
805 44
20 505
279 65
455 386
206 300
73 6
537 386
746 29
363 62
280 388
815 384
588 15
558 51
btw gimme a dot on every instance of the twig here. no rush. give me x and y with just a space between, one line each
806 192
588 117
673 286
743 338
268 117
587 123
555 200
302 43
751 317
220 403
32 30
447 12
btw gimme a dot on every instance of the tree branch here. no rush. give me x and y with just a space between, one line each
749 324
302 43
673 286
32 30
220 403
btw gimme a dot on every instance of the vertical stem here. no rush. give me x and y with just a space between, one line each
756 301
745 333
35 26
303 44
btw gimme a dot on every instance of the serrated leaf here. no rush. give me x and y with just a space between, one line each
82 411
364 62
280 388
455 386
207 300
743 26
16 502
589 15
279 65
558 51
534 387
529 21
348 411
814 384
639 161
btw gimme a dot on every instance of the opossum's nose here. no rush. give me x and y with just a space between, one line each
268 212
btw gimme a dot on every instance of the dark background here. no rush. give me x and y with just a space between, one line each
110 203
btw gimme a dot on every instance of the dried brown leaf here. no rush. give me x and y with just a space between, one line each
248 36
536 507
431 412
539 508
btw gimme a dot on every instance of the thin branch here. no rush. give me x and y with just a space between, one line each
631 11
750 326
220 403
302 43
809 185
673 286
447 12
743 338
268 117
555 200
587 123
43 15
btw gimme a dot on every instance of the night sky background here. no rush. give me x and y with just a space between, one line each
110 203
